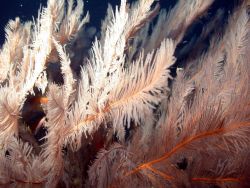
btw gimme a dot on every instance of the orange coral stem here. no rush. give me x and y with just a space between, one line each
213 180
165 176
188 141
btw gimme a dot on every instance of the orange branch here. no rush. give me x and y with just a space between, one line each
214 180
165 176
188 141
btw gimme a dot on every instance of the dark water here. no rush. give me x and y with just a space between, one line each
26 9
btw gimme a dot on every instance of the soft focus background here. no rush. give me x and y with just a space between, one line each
26 9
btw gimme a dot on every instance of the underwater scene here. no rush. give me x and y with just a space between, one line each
125 94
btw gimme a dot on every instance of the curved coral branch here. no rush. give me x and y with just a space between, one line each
189 140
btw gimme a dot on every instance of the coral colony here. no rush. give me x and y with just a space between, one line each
119 112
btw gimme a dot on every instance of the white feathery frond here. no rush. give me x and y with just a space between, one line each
185 12
10 104
72 21
22 163
41 49
177 21
78 11
83 111
13 96
100 173
107 61
56 9
138 44
102 76
24 66
138 14
142 86
105 23
66 71
108 57
17 37
236 37
140 89
56 106
56 124
58 103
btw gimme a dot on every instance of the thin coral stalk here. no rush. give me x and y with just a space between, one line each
189 140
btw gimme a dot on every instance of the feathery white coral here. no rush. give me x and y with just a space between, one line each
125 94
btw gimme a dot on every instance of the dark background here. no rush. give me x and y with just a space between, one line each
26 9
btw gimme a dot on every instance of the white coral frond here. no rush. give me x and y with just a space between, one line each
9 114
142 86
66 71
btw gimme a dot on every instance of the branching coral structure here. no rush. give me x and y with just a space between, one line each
129 117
